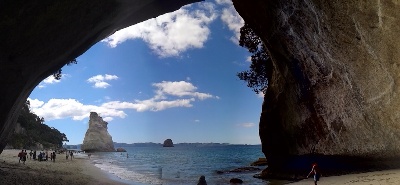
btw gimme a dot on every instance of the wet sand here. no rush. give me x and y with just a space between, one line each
62 171
377 177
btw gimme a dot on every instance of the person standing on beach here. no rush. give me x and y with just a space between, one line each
202 180
54 157
316 172
24 154
20 154
30 155
71 155
34 155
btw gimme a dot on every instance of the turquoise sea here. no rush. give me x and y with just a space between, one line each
180 165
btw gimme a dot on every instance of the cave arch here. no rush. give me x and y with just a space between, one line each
346 51
39 37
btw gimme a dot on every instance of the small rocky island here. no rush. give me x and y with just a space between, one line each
168 143
97 138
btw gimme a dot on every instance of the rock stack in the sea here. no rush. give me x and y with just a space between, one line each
168 143
97 138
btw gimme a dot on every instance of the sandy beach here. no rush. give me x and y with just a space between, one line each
371 178
81 171
62 171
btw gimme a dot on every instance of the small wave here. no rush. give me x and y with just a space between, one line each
126 174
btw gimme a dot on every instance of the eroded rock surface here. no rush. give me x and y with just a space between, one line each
334 86
38 37
97 138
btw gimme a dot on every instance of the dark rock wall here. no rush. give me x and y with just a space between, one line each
38 37
334 88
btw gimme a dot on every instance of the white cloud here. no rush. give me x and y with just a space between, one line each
247 125
248 59
108 119
35 103
224 2
51 80
172 33
71 108
99 80
260 95
164 98
196 120
179 89
233 20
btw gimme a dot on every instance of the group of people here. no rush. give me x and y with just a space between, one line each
42 156
70 153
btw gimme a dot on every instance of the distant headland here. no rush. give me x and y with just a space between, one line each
146 144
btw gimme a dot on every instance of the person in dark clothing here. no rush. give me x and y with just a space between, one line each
54 157
202 180
316 172
30 155
24 154
20 154
34 155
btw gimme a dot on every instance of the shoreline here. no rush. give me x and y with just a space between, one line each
77 171
376 177
83 171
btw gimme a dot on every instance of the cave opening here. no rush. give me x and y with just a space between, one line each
173 77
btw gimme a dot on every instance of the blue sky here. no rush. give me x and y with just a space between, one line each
169 77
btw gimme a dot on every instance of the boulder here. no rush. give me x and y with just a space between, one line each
168 143
239 170
236 181
121 150
97 138
259 162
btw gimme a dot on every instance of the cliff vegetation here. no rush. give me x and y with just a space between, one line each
32 133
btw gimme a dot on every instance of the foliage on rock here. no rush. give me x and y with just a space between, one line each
35 132
57 75
257 76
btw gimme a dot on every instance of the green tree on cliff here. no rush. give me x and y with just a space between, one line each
33 130
260 69
57 74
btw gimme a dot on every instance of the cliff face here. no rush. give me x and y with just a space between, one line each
97 138
38 37
334 88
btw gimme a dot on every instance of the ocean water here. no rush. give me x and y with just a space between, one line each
181 165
